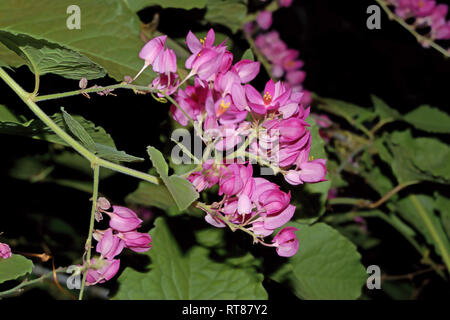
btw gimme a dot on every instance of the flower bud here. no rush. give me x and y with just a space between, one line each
101 271
286 242
5 251
123 219
110 245
136 241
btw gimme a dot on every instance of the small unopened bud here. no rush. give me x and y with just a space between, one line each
83 83
128 79
103 203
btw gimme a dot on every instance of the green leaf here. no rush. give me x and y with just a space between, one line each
358 236
352 113
30 168
112 154
443 205
192 275
420 158
230 13
81 128
385 112
248 55
152 195
14 267
9 58
109 33
326 266
78 131
48 57
6 115
159 162
418 210
378 181
182 191
429 119
415 158
137 5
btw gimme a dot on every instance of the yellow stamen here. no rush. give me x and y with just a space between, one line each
311 158
202 41
267 98
223 107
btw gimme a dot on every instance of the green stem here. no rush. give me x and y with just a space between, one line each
261 58
421 39
88 246
380 124
28 99
363 203
27 283
93 90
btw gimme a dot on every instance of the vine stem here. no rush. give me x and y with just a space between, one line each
122 85
27 283
421 39
88 245
363 203
266 64
92 158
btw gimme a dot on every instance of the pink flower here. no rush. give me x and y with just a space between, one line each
274 201
136 241
106 270
259 229
165 62
152 49
231 182
244 204
278 219
207 62
247 70
274 95
264 19
310 171
110 245
5 251
286 242
165 82
296 77
123 219
285 3
195 45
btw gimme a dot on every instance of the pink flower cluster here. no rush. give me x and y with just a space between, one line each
285 62
427 13
218 102
5 251
121 234
255 203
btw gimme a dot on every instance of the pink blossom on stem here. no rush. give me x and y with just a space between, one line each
110 245
123 219
136 241
106 270
264 19
5 251
286 242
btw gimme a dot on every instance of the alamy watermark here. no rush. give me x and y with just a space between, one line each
374 280
74 19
